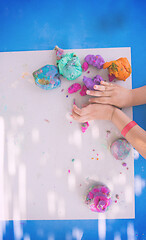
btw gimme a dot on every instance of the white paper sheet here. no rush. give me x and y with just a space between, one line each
38 178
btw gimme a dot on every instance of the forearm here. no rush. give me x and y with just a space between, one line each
136 135
138 96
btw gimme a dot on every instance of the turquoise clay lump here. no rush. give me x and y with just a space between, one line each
69 64
47 77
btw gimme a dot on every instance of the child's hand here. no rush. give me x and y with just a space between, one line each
111 94
92 112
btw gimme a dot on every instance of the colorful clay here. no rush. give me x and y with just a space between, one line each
89 82
59 53
69 64
74 88
98 198
47 77
95 60
84 126
83 91
120 148
85 66
119 69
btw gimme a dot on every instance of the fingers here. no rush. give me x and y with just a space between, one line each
106 83
77 110
102 100
79 114
99 93
78 118
108 86
100 88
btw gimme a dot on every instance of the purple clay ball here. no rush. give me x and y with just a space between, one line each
89 82
96 61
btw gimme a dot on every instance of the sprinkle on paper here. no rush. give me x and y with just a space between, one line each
25 74
93 150
115 201
5 107
104 146
68 171
62 90
92 158
97 158
88 72
108 133
124 164
117 196
46 120
67 96
73 160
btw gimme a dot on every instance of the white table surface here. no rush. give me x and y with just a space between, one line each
35 155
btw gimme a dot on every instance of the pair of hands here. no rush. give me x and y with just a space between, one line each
103 103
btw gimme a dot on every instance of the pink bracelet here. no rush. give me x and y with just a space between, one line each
128 127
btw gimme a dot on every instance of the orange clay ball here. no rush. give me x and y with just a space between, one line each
120 68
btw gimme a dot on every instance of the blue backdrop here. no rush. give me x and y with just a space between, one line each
40 25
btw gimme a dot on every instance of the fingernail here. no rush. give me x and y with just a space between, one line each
102 82
95 86
88 92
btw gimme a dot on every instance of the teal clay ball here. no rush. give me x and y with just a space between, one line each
69 66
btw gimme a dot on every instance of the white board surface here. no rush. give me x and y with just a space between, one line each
38 178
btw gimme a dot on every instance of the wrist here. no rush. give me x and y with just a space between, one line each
128 99
115 114
130 104
111 112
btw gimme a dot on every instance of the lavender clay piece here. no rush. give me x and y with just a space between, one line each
96 61
74 88
89 83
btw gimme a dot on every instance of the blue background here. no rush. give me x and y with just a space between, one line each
40 25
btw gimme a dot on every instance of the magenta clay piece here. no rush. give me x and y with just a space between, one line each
111 77
98 198
90 83
83 91
84 126
74 88
85 66
96 61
